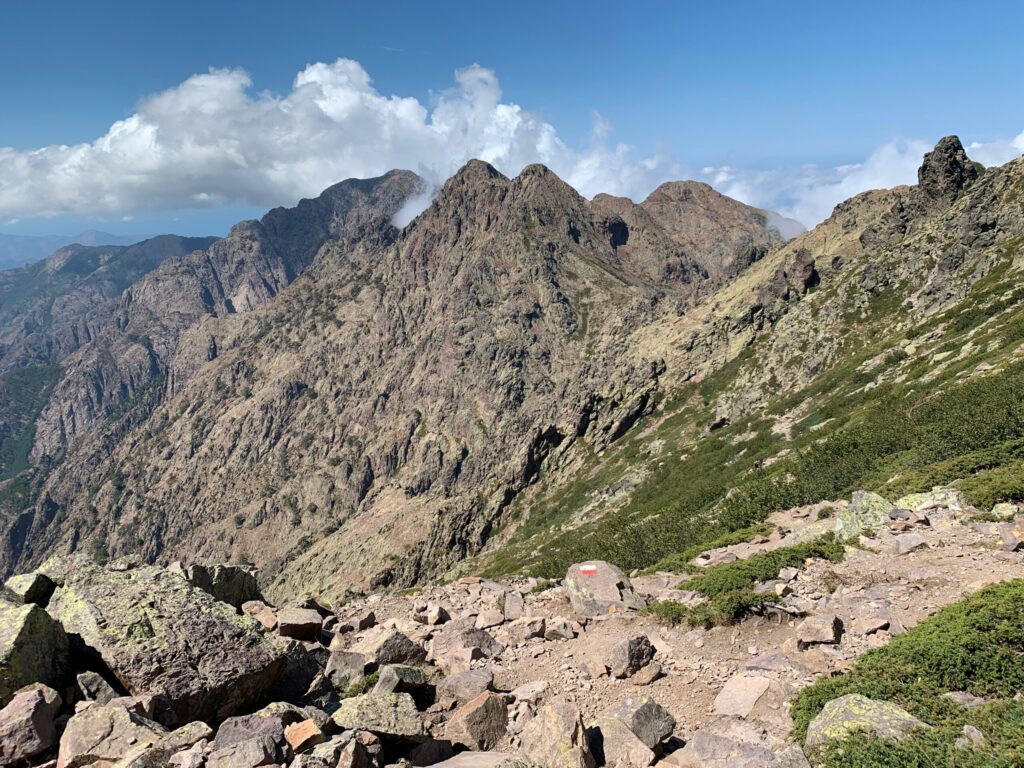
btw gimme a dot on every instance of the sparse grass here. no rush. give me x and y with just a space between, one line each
361 686
977 646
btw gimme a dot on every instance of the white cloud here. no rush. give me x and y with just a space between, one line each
212 141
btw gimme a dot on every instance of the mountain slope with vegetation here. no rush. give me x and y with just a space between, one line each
522 378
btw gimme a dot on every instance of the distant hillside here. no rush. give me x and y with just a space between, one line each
17 250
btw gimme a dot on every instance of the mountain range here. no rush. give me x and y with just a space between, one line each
18 250
519 379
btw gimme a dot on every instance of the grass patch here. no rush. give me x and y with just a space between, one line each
679 562
364 685
977 646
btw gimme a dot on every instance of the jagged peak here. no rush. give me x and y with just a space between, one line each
475 171
946 171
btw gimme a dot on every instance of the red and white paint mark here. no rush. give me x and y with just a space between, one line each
588 570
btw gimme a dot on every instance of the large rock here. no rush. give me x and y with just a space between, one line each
727 742
854 713
463 686
453 639
29 588
299 623
479 723
389 646
937 498
556 738
232 584
613 744
597 587
253 753
866 511
740 695
630 656
33 649
647 719
393 714
160 635
26 724
106 733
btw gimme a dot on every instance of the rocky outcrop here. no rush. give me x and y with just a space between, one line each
159 635
33 649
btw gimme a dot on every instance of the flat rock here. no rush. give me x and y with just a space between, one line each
389 646
106 733
596 587
740 695
253 753
823 629
393 714
908 542
299 623
466 685
854 713
726 742
160 635
33 649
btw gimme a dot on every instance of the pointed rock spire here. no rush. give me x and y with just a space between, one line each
946 171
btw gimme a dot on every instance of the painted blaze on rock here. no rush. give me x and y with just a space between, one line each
597 587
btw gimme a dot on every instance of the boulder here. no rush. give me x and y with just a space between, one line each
463 686
556 738
260 612
389 646
937 498
26 724
160 635
33 649
299 623
296 683
824 629
559 629
480 760
726 742
526 628
480 723
345 668
908 542
453 638
629 656
231 584
866 511
393 714
90 686
646 719
245 754
854 713
401 678
532 692
613 744
106 733
32 588
270 721
596 587
303 735
513 605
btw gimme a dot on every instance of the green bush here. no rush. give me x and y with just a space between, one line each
977 646
744 574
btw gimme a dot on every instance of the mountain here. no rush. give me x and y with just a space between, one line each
18 250
521 378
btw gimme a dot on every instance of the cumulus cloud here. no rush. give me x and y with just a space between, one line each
213 141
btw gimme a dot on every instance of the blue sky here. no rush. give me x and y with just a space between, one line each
772 102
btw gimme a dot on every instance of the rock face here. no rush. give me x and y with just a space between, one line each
597 587
855 713
556 738
33 649
26 724
232 584
393 714
160 635
106 733
946 171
